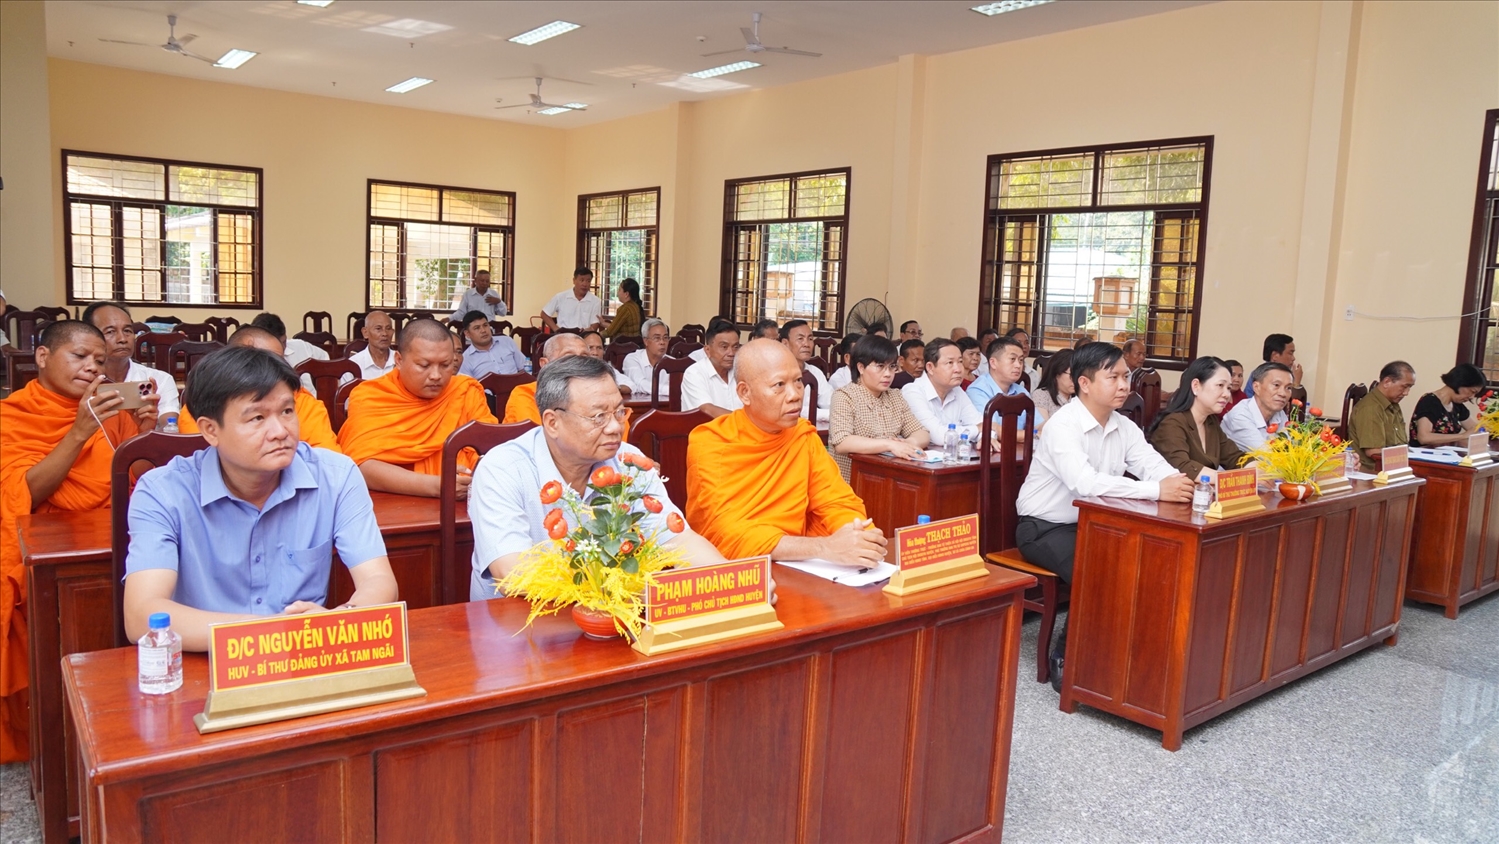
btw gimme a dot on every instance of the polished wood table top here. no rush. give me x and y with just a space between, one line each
1276 508
469 657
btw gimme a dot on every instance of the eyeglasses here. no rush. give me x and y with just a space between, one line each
599 420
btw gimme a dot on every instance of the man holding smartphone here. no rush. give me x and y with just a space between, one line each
114 321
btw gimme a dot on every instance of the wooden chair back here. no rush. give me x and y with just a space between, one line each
152 449
325 375
1148 385
826 349
354 347
54 314
617 352
826 367
323 340
20 368
1134 410
525 338
317 321
1351 396
501 327
1013 465
455 574
183 356
339 412
809 397
222 327
154 350
165 320
672 367
356 325
501 386
662 435
197 332
683 348
692 332
22 327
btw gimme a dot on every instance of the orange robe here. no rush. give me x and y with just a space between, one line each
33 421
312 422
521 407
389 423
746 489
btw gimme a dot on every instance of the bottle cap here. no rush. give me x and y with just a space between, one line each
923 520
160 621
1204 478
952 426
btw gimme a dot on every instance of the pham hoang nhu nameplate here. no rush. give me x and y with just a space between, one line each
704 604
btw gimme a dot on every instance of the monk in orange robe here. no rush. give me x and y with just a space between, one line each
312 416
760 481
57 440
398 422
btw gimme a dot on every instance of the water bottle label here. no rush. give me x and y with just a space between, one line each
155 662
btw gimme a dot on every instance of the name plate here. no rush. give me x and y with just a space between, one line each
1333 478
1236 493
936 554
706 604
288 666
1478 450
1394 464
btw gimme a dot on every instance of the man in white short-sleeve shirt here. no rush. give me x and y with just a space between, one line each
582 424
576 309
937 398
375 359
796 335
114 322
1248 422
480 298
708 385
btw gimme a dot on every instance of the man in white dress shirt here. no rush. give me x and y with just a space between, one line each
488 354
640 365
1248 422
375 359
796 335
577 309
709 385
480 298
1085 453
297 351
593 346
937 398
114 321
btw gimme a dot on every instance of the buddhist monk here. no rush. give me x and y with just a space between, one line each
312 416
57 440
521 406
760 481
398 422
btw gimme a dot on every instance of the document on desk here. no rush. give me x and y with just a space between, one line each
1445 454
839 573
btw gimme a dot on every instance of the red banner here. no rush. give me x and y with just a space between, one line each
937 542
685 593
290 647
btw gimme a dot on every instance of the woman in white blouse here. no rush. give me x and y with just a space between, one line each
1056 387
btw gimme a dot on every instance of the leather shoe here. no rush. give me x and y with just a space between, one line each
1054 667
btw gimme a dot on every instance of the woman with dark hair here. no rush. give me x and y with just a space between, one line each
1188 432
973 357
845 373
867 417
1442 417
1055 388
628 316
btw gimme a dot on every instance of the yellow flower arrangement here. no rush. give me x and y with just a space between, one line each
602 562
1300 451
1488 414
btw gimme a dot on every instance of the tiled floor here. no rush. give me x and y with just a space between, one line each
1393 745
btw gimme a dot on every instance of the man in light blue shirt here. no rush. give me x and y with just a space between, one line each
248 526
582 422
1006 358
488 354
480 298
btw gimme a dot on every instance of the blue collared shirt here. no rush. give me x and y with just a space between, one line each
502 357
985 388
504 502
229 556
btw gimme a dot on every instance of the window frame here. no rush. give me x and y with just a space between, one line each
726 289
989 290
1478 288
649 286
506 285
116 203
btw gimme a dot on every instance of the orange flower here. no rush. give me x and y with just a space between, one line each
551 493
1296 402
604 476
626 547
571 546
1315 411
1272 428
558 530
652 505
1336 440
553 517
675 524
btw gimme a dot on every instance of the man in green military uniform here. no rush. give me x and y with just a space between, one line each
1377 421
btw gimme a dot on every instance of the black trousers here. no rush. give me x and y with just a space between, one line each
1047 544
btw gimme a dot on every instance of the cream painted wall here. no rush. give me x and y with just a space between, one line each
26 204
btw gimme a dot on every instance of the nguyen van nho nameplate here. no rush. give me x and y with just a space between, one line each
936 554
288 666
705 604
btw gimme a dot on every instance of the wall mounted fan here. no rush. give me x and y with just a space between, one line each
866 315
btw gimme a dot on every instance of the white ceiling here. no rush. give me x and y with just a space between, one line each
629 57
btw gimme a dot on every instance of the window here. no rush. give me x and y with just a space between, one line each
1101 241
161 232
1479 342
426 242
785 246
617 239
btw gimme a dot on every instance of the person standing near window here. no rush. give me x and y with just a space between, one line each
480 298
577 309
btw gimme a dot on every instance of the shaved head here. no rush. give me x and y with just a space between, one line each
69 357
423 329
257 338
65 332
769 384
560 346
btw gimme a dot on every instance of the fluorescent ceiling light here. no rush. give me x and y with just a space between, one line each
992 9
411 84
234 58
563 109
722 69
408 28
692 83
321 4
542 33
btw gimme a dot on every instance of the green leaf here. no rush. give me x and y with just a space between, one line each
630 565
577 578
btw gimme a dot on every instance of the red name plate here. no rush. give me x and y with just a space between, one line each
289 647
1237 485
1394 458
937 542
691 592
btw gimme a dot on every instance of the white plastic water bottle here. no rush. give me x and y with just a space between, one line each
171 424
159 657
1351 462
965 448
950 444
1202 494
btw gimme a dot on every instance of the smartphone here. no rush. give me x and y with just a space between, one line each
130 391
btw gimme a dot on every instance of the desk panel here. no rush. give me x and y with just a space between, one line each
1455 556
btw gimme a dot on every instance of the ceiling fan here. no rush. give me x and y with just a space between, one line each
538 103
752 44
173 45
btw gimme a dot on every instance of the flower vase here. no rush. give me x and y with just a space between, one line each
1296 492
594 624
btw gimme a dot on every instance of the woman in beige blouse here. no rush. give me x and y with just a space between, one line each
867 416
1056 386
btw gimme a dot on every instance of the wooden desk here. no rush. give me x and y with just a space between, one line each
1176 620
896 491
1455 555
867 718
69 609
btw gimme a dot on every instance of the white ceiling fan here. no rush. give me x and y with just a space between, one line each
541 105
752 44
173 45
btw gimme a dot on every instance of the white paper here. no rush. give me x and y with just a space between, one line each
1436 455
840 573
1359 476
